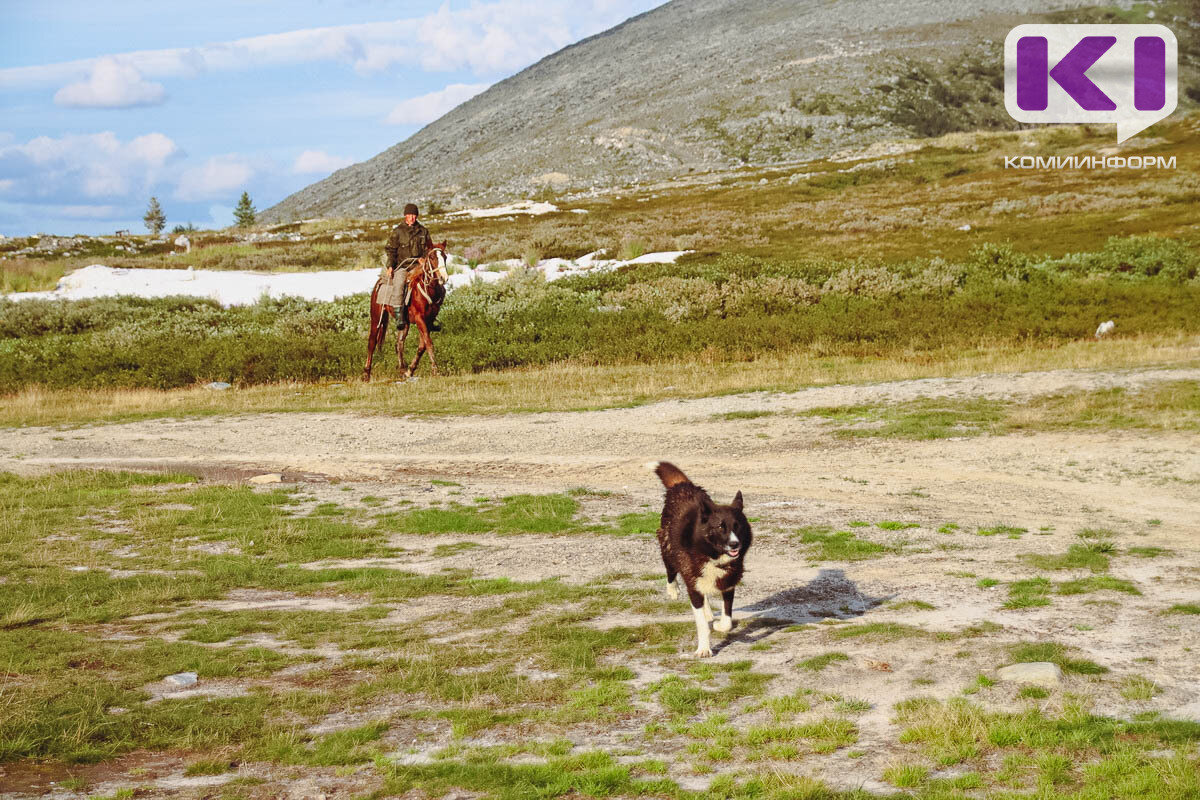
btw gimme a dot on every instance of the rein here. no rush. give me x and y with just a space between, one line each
427 278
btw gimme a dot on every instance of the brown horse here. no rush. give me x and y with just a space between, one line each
427 290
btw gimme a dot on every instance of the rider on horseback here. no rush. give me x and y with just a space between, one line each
408 242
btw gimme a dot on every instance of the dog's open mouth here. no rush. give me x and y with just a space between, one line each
732 552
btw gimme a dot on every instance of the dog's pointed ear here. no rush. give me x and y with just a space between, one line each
706 508
737 501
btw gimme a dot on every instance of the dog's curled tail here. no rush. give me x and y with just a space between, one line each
670 474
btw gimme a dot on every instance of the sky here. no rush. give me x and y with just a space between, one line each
104 105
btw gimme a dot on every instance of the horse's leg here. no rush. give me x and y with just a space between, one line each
426 344
401 336
375 337
429 346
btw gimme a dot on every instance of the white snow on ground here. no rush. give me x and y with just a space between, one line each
237 288
526 207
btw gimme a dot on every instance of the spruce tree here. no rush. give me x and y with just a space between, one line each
155 219
245 211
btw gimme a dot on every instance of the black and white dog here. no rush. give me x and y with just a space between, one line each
705 544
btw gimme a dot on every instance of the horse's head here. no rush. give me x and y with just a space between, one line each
437 260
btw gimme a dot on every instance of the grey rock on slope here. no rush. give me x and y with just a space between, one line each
693 85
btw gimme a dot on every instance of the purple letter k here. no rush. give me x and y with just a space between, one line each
1069 73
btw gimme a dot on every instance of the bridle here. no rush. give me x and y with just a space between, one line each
432 272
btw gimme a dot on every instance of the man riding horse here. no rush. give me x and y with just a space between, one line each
408 242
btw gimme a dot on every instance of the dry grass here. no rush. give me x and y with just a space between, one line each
572 387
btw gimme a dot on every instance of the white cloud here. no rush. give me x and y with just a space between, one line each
91 165
218 176
112 84
428 107
90 212
318 161
486 38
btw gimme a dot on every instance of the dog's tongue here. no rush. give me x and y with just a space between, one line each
733 551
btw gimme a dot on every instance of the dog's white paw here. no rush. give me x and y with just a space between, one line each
724 624
672 591
703 652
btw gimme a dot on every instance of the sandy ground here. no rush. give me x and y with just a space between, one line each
1145 487
1074 478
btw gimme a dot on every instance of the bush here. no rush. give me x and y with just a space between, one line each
728 307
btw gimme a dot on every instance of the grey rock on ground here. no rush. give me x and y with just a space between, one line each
1042 673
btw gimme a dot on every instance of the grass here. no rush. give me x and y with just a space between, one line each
829 545
1183 608
1055 653
878 631
818 663
1135 687
1172 405
1076 557
1034 592
57 648
577 387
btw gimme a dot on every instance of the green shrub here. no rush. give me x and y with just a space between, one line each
729 307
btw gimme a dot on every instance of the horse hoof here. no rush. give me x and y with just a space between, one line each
366 377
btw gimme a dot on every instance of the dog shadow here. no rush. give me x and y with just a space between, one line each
830 595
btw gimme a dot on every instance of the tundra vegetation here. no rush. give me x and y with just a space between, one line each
311 655
833 263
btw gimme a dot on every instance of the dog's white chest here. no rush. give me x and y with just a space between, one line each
706 584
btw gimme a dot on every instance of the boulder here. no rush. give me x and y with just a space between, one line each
1042 673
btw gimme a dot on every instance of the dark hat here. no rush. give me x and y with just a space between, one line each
411 208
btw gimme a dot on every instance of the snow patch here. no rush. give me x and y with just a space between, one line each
237 288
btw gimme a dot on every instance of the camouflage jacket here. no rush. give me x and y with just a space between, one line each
406 242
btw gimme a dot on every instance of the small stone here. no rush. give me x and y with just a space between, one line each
218 386
270 477
966 227
1042 673
181 679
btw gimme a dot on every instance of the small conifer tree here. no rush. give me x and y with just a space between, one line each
155 219
244 214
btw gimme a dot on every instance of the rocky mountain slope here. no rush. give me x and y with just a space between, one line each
696 85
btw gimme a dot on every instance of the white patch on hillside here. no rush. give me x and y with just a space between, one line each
238 287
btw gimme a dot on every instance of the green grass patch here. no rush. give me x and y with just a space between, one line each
1076 557
912 605
1148 552
729 416
917 420
877 631
1029 593
1011 531
1183 608
1098 583
829 545
1055 653
1135 687
818 663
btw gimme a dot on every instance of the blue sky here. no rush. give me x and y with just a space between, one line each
103 105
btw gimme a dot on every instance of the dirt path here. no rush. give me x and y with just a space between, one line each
778 458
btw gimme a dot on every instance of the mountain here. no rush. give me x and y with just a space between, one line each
693 86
